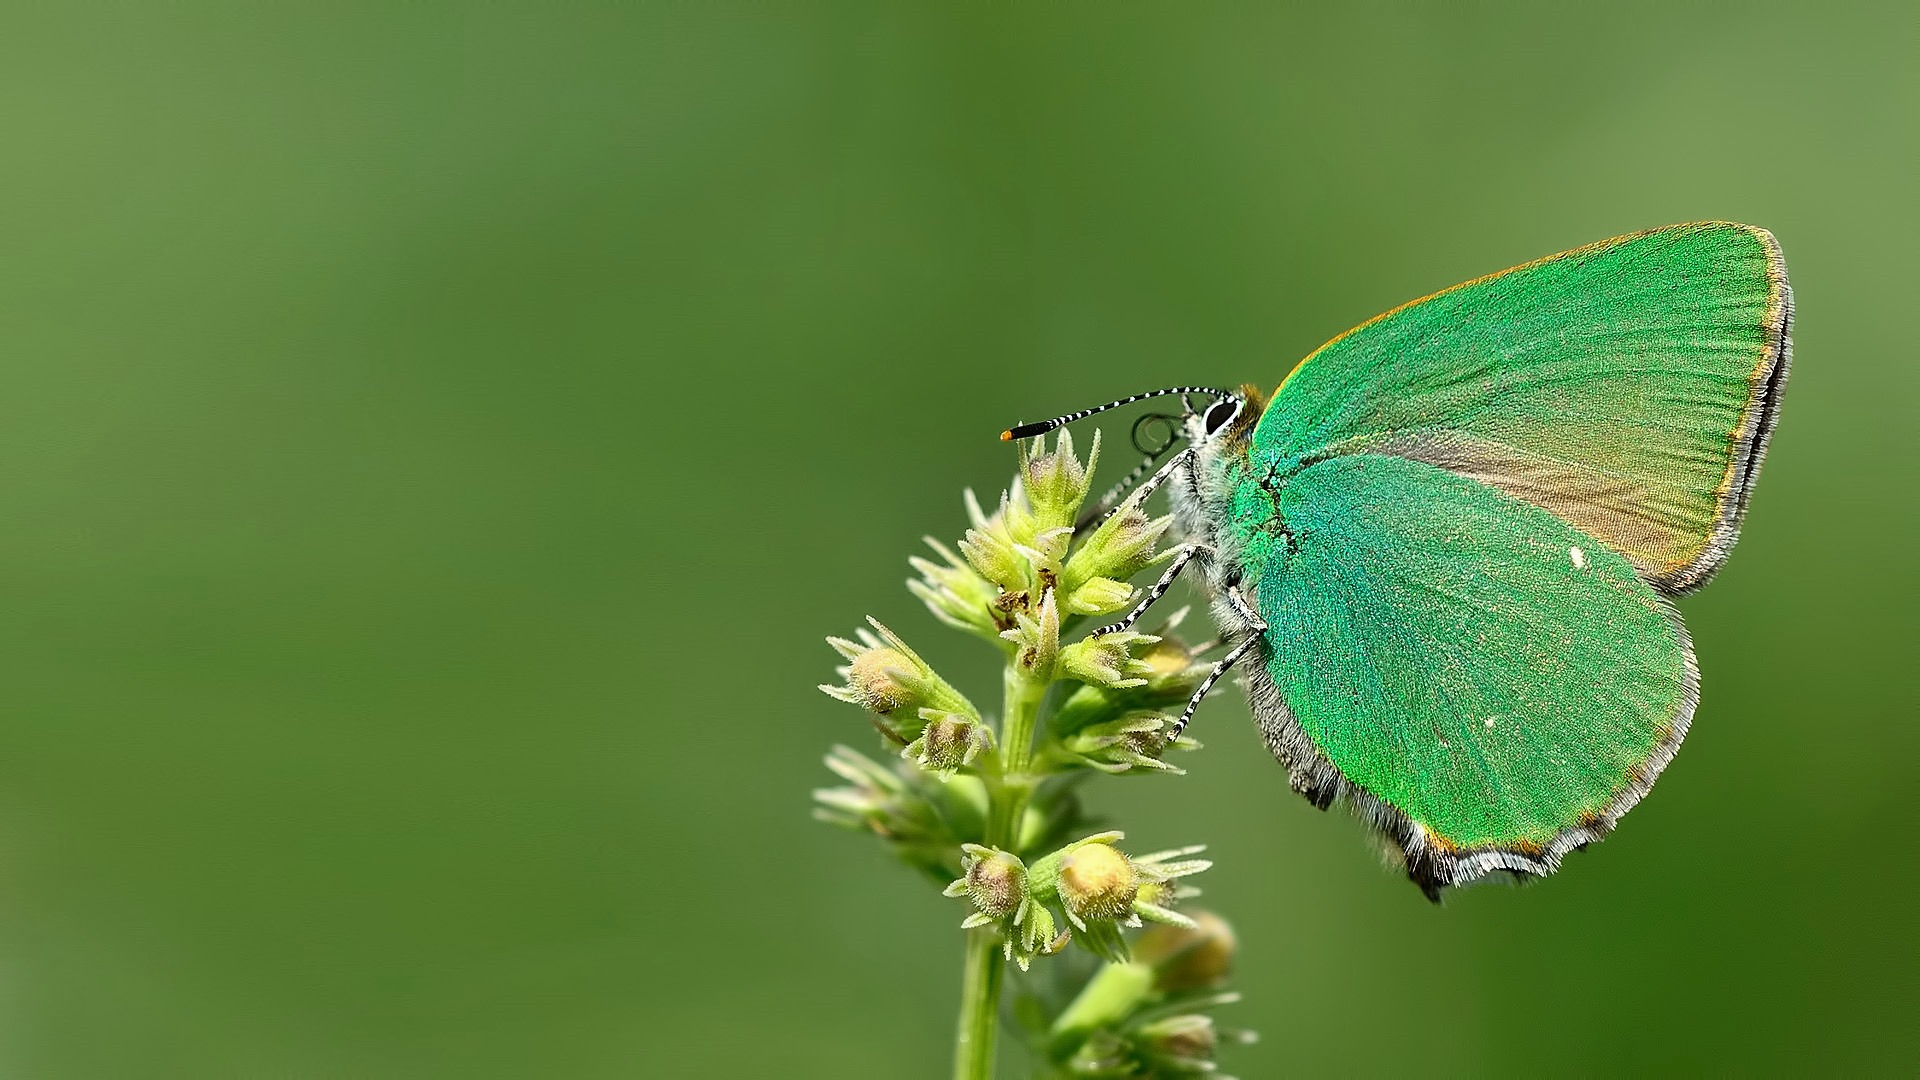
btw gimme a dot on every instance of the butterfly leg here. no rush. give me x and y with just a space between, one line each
1106 509
1184 457
1256 626
1098 511
1180 561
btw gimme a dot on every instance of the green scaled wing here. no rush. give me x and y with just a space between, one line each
1475 507
1486 683
1627 387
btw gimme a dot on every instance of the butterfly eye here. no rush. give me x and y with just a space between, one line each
1220 413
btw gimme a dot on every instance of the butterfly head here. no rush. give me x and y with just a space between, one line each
1226 422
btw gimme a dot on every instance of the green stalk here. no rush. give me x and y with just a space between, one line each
979 1005
1112 993
1009 800
1007 796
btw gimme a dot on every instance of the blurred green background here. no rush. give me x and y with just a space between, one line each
434 440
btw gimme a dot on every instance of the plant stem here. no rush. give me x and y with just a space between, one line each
1009 801
979 1005
1112 993
1007 797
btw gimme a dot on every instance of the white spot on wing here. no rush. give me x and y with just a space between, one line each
1579 558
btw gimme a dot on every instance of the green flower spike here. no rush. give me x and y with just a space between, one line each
972 805
886 676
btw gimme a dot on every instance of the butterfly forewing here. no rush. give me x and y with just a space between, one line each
1627 387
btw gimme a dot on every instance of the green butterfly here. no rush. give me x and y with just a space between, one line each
1451 538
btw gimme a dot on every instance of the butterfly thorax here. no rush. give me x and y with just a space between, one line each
1228 505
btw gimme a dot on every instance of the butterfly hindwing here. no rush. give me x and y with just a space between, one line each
1628 387
1491 686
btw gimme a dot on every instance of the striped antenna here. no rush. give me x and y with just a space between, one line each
1028 431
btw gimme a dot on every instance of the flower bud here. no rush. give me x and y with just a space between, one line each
1186 1041
1097 882
882 679
886 676
1100 596
993 556
1121 547
1187 958
954 593
1161 898
1056 483
1044 551
1135 741
1107 660
1172 674
995 881
920 821
947 743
